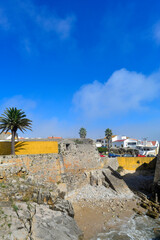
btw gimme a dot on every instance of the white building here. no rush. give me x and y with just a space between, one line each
144 147
102 142
127 142
148 148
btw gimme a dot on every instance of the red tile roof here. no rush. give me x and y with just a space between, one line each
54 137
122 140
153 142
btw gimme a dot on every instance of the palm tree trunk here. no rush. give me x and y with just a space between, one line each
108 146
13 143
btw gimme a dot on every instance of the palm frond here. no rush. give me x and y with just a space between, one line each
14 119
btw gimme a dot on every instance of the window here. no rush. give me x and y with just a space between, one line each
67 146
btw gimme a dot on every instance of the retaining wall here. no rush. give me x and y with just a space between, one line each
43 167
132 163
29 147
81 156
157 170
50 168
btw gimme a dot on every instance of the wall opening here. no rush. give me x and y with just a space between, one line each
68 146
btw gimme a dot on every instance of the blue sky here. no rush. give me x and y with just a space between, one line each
93 64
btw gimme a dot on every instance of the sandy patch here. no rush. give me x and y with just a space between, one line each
96 217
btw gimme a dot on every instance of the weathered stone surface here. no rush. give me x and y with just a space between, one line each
137 211
152 214
76 155
49 224
116 182
63 206
96 178
37 222
79 154
111 162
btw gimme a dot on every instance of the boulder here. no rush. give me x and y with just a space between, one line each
34 221
63 206
116 182
152 214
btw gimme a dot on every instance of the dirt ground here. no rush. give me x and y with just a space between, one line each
93 218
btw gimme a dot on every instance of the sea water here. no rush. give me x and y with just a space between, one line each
135 228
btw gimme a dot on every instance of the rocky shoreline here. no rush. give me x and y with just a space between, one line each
29 211
37 212
105 204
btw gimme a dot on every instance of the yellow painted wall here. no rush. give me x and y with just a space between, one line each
29 147
130 163
5 148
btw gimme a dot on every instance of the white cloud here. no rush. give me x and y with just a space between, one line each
139 130
53 127
123 91
62 27
19 102
42 126
47 20
36 26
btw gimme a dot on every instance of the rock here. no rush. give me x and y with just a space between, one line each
96 178
157 231
144 205
152 214
62 187
116 182
33 221
63 206
40 198
137 211
50 225
14 181
105 184
18 196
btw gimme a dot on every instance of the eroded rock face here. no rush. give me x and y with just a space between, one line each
35 212
37 222
64 206
110 179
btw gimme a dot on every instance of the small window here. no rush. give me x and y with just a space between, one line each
67 146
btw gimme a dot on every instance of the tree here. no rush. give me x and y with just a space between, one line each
14 119
82 132
108 135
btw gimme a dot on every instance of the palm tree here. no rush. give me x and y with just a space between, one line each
108 135
14 119
82 132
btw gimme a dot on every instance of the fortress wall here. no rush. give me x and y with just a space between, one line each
51 168
43 167
29 147
83 156
132 163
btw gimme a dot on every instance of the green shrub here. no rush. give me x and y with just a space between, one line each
77 141
102 149
15 208
120 169
59 148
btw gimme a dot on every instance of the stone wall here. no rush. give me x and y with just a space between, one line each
133 163
50 168
110 162
157 170
79 154
29 147
44 168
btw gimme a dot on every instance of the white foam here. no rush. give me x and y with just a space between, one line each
136 228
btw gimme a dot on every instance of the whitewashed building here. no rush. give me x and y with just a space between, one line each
148 148
128 142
